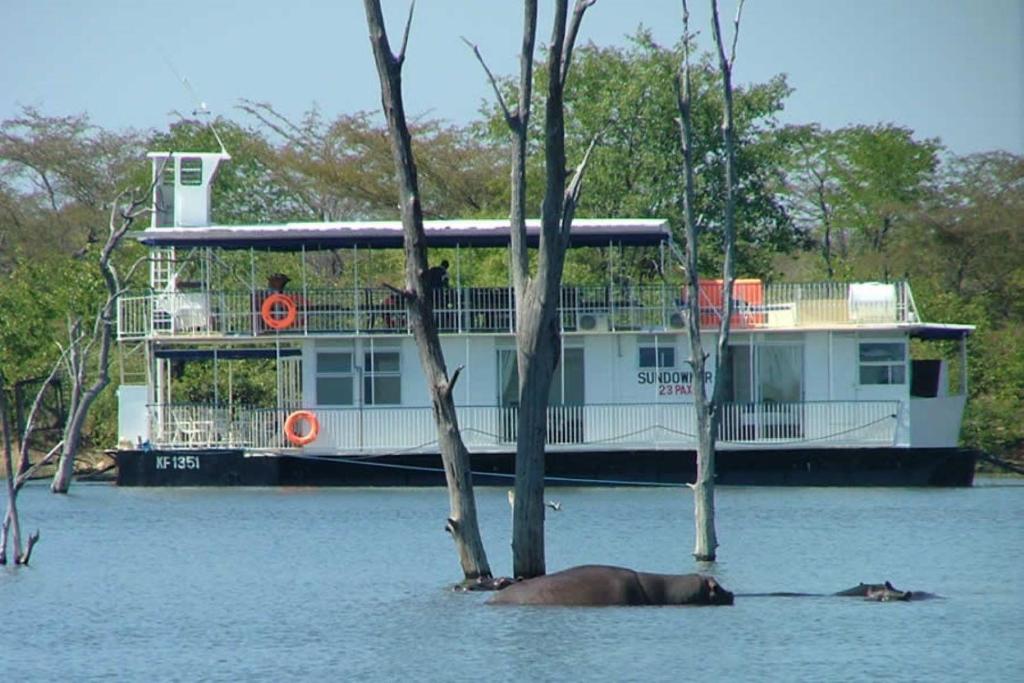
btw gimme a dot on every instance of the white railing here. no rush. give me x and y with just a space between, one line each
835 303
134 316
826 423
592 427
492 309
203 426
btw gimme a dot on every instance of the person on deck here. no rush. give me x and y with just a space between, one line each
437 277
437 288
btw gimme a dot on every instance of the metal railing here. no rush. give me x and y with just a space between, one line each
376 429
351 311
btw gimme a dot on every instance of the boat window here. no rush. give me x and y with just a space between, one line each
766 373
883 363
656 353
382 381
334 378
164 193
191 171
567 385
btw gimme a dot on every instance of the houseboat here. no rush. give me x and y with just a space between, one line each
277 355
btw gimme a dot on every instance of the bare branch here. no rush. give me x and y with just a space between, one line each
735 33
3 539
11 516
286 129
454 378
404 293
131 270
520 261
36 405
725 62
572 192
570 37
400 57
494 84
42 462
32 540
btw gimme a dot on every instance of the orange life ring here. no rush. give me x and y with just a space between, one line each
294 419
267 311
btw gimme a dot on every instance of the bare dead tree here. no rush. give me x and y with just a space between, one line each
11 526
26 470
708 409
127 207
462 523
538 339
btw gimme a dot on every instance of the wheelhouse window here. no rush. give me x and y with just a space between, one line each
883 363
656 353
164 192
382 380
334 378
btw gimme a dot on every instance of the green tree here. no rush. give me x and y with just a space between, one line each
853 189
964 251
627 96
57 178
341 169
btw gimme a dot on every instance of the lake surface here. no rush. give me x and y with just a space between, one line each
352 584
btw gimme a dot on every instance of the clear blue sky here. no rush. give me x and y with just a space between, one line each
952 69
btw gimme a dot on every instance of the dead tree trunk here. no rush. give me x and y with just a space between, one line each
538 341
708 409
127 207
10 529
462 523
26 470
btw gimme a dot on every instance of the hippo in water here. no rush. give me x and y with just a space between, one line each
599 585
883 592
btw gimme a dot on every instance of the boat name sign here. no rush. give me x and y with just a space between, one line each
670 382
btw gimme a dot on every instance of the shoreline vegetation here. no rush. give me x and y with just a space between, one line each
89 466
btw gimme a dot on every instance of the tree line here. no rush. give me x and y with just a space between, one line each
861 202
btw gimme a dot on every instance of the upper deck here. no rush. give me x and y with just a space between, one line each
197 292
204 313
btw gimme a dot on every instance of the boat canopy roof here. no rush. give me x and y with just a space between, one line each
939 331
230 353
586 232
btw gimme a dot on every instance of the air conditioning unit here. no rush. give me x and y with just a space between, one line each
677 320
594 322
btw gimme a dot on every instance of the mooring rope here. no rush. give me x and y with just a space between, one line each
368 462
999 462
373 460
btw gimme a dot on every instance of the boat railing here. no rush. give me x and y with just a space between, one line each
352 311
660 425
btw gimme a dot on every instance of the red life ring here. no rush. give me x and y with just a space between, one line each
267 311
293 421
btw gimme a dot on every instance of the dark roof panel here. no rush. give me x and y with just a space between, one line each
388 234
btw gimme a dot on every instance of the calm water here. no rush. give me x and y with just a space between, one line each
334 584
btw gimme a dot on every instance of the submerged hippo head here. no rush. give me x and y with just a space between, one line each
886 592
717 595
883 592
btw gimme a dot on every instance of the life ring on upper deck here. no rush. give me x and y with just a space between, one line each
292 422
267 311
